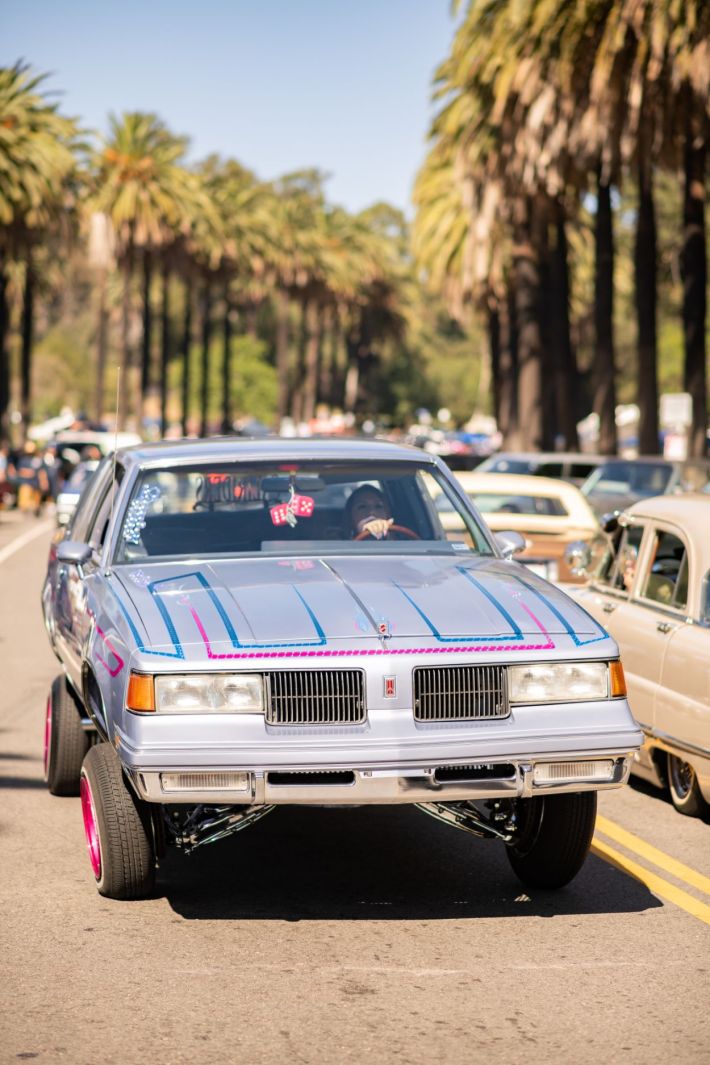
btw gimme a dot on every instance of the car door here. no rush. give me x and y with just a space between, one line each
682 712
655 611
75 623
610 598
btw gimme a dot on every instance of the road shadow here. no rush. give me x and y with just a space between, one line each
660 795
21 782
374 864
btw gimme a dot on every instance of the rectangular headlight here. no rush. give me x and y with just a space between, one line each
195 693
558 682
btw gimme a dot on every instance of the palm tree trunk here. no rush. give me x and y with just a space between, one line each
206 331
325 366
526 270
146 375
335 372
101 347
164 347
566 377
282 330
508 370
645 271
226 363
4 360
186 348
297 390
605 387
351 387
694 274
26 358
542 208
310 382
125 392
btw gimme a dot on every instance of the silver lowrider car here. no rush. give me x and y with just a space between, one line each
246 624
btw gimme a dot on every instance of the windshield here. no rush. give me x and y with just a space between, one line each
292 509
628 478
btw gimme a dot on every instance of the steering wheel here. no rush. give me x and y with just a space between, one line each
407 533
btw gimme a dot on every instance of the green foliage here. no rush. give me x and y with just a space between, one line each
253 389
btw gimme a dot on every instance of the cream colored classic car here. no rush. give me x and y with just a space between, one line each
650 588
550 515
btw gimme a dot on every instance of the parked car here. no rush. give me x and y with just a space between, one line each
572 466
69 493
247 624
73 446
617 483
548 513
650 587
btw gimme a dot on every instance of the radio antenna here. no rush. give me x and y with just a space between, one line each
115 449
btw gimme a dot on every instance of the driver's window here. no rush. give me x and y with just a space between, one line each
99 526
621 569
665 577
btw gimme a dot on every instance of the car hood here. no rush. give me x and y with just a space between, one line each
232 608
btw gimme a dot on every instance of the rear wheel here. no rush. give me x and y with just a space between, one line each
553 839
119 837
684 788
65 741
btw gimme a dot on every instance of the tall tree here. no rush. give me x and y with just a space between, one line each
37 159
138 182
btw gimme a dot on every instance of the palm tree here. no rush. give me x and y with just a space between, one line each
138 182
37 158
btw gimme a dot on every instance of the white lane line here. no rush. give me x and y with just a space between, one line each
26 538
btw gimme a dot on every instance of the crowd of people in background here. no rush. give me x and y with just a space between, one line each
31 476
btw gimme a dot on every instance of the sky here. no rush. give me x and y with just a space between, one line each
342 85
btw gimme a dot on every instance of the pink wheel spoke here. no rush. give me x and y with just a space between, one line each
91 828
47 735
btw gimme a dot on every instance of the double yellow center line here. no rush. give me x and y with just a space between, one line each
652 880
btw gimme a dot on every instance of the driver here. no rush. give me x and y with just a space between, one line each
366 511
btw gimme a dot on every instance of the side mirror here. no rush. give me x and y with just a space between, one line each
578 557
509 543
73 552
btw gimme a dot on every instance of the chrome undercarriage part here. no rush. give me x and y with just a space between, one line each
207 824
499 821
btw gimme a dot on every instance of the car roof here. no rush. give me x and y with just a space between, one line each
690 510
549 456
260 449
526 484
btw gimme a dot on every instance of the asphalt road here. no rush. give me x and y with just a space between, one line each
334 936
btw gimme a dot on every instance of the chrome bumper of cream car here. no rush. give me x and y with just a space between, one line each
352 786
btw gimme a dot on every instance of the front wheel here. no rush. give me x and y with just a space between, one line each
553 838
117 827
684 788
65 741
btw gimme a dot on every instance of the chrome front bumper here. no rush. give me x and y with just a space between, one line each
413 784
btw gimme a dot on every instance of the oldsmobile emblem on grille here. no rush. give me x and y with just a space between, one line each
390 687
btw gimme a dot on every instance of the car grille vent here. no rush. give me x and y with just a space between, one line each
316 697
460 693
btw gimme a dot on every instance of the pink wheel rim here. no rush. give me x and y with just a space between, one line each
47 735
91 828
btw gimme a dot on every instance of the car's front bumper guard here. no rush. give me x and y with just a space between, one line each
397 784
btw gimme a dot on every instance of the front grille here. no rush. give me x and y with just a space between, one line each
316 697
460 693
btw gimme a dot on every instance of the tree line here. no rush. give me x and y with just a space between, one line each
549 112
208 244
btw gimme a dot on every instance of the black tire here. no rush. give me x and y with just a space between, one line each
685 791
555 835
65 741
126 857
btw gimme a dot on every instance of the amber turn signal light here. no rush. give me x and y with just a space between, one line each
141 694
617 678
